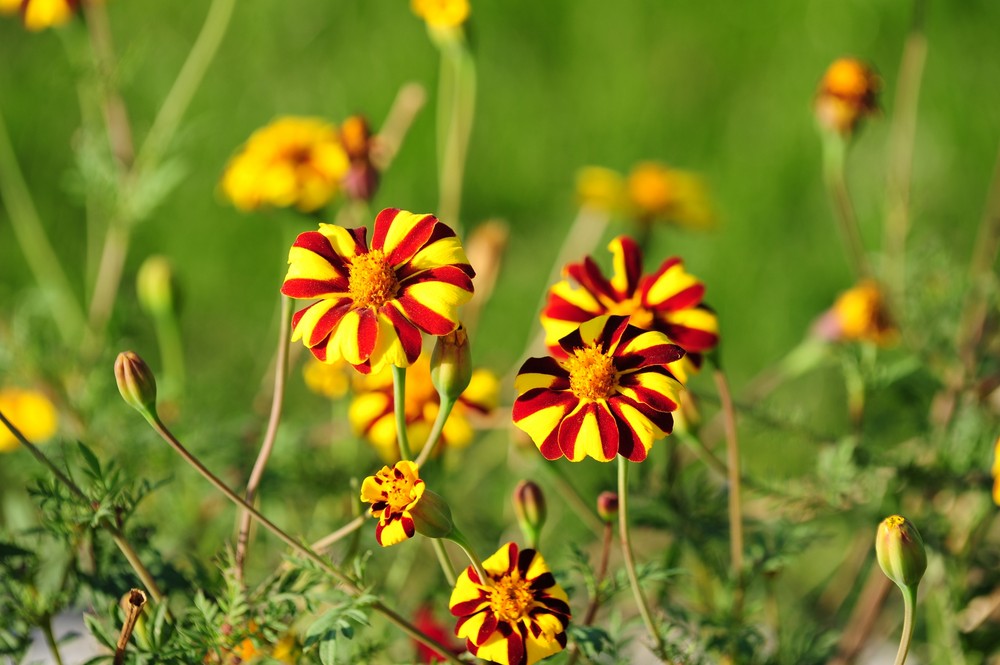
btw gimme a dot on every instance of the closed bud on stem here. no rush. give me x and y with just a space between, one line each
136 383
900 551
154 286
432 516
607 506
451 364
529 505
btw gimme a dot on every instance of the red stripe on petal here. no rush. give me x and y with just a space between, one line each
588 275
516 653
409 334
546 365
685 299
608 427
560 309
662 353
448 274
382 223
569 432
367 332
538 399
632 259
654 399
303 289
317 243
648 281
360 235
629 445
488 628
424 317
326 324
411 243
614 328
691 339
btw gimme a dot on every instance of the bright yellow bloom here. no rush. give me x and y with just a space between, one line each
41 14
371 412
29 411
859 314
657 192
327 379
518 616
441 13
846 94
291 162
403 506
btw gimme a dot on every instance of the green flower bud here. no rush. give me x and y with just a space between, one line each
154 286
136 383
432 516
451 364
900 551
607 506
529 505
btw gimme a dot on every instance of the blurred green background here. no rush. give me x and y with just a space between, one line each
722 89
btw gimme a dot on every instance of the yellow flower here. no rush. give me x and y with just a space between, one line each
9 7
41 14
403 506
846 94
657 192
441 13
327 379
600 188
371 413
29 411
291 162
859 314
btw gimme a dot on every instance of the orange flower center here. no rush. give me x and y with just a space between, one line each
591 373
372 281
399 494
510 598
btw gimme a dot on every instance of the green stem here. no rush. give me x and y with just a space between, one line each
446 565
399 408
909 603
50 639
168 335
109 276
595 598
38 252
734 475
188 80
834 149
456 106
629 559
432 439
296 546
325 543
459 539
270 435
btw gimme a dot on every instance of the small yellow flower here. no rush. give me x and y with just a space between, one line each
331 380
403 505
657 192
291 162
29 411
846 94
441 13
859 314
600 189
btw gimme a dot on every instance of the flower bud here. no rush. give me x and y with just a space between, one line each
432 516
847 93
607 506
136 383
900 551
529 505
154 286
451 364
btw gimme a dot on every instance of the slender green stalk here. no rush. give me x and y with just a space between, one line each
399 408
328 541
346 582
109 274
271 433
38 252
909 603
119 538
626 541
168 335
433 438
446 565
834 149
188 80
456 107
459 539
50 639
734 475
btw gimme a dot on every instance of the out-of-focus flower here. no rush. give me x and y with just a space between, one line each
668 300
529 506
607 506
996 472
31 412
403 506
427 623
847 93
657 192
362 178
373 302
516 617
39 15
900 551
441 13
611 394
154 286
327 379
251 649
859 314
600 189
371 412
293 161
8 7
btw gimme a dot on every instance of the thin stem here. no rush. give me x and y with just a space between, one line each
834 149
399 408
109 274
626 541
277 400
188 80
901 141
862 619
326 542
50 639
734 476
456 106
909 601
115 115
409 100
459 539
42 259
119 538
433 438
595 599
168 335
446 565
296 546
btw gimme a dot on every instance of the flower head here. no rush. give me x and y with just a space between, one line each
657 192
900 551
599 188
374 301
371 412
518 616
403 506
669 300
29 411
610 394
291 162
41 14
327 379
441 13
362 178
859 314
136 382
847 93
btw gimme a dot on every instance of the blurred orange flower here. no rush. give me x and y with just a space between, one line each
847 93
29 411
441 13
859 314
657 192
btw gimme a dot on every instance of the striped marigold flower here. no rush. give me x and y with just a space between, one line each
403 506
374 301
518 616
669 301
610 394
